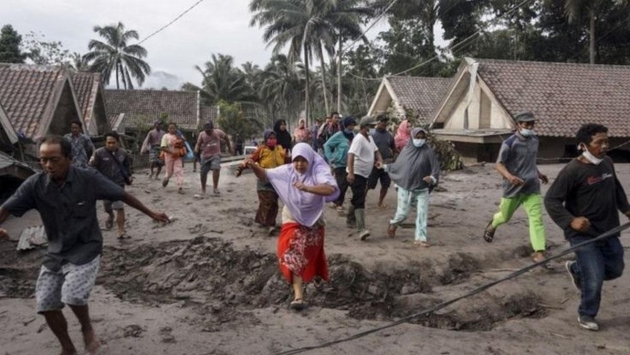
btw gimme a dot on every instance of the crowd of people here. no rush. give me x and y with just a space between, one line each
308 170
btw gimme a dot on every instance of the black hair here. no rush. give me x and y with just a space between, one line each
112 134
173 123
66 146
77 122
587 131
334 113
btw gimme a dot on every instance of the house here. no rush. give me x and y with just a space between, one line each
38 100
409 93
88 88
8 135
143 107
477 113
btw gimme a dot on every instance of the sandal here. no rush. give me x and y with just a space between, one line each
164 182
109 224
488 235
383 207
391 231
199 196
123 236
297 304
216 192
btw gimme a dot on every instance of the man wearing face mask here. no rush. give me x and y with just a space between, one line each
521 183
584 201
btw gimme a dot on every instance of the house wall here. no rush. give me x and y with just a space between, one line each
498 119
65 112
473 153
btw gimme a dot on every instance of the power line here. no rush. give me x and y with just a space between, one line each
475 291
455 47
173 21
372 25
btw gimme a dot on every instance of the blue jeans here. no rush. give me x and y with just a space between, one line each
596 262
406 199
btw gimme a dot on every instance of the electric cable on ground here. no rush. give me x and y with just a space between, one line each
466 295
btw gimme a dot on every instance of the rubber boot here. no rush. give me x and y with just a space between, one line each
363 233
351 220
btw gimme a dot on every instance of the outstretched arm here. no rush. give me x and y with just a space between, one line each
260 173
132 201
322 190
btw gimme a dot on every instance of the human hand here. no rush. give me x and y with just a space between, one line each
428 180
350 178
379 164
580 224
160 217
4 234
543 178
300 186
515 180
249 163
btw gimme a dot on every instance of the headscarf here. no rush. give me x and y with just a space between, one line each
267 134
306 208
414 164
402 136
283 137
301 134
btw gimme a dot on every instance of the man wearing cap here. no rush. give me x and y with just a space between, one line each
387 147
152 145
336 152
209 147
362 157
521 183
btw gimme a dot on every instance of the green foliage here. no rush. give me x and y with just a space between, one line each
115 56
10 42
233 121
42 52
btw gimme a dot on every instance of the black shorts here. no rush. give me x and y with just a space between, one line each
375 176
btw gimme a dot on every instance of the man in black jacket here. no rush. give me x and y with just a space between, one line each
584 201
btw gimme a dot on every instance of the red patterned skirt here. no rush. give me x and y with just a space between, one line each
301 252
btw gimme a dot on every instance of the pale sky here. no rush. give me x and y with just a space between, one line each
214 26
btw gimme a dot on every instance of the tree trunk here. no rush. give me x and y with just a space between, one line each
321 58
591 34
307 89
117 84
339 55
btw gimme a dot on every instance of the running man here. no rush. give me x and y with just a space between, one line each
65 197
521 183
209 147
584 201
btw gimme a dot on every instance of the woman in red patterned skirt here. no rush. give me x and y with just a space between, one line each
304 186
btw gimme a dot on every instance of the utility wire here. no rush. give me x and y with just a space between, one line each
455 47
469 294
172 22
372 25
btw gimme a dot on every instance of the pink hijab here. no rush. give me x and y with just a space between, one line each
402 135
306 208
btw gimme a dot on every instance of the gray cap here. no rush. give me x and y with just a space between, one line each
367 121
526 116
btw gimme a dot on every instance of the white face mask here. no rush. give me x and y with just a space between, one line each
527 132
590 157
419 142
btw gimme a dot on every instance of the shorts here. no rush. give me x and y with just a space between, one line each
375 176
212 163
70 285
113 205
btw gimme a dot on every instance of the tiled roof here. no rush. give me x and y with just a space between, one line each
563 96
180 106
29 94
420 94
86 87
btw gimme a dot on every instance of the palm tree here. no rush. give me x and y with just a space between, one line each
575 9
114 55
221 81
308 27
281 87
78 63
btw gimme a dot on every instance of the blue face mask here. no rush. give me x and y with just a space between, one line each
419 142
527 132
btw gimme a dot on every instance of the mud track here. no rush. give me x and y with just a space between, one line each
216 279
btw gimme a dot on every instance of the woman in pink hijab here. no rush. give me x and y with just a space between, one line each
402 135
304 186
301 133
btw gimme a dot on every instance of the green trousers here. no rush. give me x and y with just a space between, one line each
533 207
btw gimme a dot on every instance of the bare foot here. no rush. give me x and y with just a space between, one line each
91 342
421 243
